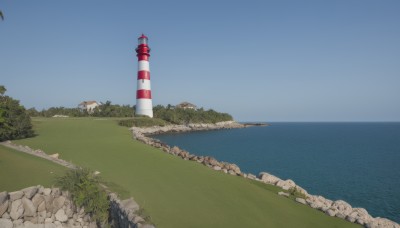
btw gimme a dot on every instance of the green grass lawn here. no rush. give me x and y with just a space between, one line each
19 170
176 193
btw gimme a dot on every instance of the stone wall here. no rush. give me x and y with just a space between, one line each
39 207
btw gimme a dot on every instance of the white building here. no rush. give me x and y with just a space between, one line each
89 106
186 105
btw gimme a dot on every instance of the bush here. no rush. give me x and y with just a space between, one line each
84 188
296 193
15 123
142 122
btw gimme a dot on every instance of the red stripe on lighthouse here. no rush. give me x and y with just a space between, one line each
143 74
143 94
143 57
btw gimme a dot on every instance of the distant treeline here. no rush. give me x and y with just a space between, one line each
185 116
104 110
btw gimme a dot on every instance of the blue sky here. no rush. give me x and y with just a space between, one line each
258 60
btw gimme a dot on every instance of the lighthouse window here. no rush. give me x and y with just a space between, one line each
143 41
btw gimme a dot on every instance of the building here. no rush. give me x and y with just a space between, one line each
144 104
89 106
186 105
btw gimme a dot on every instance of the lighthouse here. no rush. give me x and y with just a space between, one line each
144 105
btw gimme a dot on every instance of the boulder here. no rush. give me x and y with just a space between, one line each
381 223
37 200
343 208
268 178
58 203
16 209
217 168
130 205
30 192
3 197
3 207
283 194
61 216
46 191
16 195
29 208
6 216
330 212
42 207
285 185
55 156
50 225
251 176
6 223
301 200
49 202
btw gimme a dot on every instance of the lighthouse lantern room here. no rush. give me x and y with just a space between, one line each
144 104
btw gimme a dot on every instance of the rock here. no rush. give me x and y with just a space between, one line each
42 207
96 173
360 216
381 223
283 194
268 178
3 197
3 207
37 200
130 204
16 195
49 202
48 220
301 200
18 222
55 192
330 212
29 208
50 225
61 216
343 208
251 176
217 168
46 191
58 203
138 219
55 156
6 216
30 192
285 185
6 223
16 209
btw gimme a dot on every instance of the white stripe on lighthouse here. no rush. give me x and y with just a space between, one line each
145 105
143 65
143 84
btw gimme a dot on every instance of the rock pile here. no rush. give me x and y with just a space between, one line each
337 208
38 205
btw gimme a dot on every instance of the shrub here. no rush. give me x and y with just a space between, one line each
296 193
15 123
142 122
84 188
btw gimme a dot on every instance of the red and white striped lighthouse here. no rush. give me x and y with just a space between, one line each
144 104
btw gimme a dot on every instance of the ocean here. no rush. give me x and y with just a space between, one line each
356 162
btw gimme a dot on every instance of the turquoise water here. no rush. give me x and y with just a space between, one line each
355 162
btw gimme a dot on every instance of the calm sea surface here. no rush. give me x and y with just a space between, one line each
356 162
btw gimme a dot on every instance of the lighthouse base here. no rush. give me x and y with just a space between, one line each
144 107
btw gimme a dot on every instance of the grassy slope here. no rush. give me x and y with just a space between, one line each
176 193
19 170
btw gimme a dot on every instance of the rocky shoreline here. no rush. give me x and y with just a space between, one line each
338 208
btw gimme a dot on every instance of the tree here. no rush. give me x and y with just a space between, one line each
15 123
